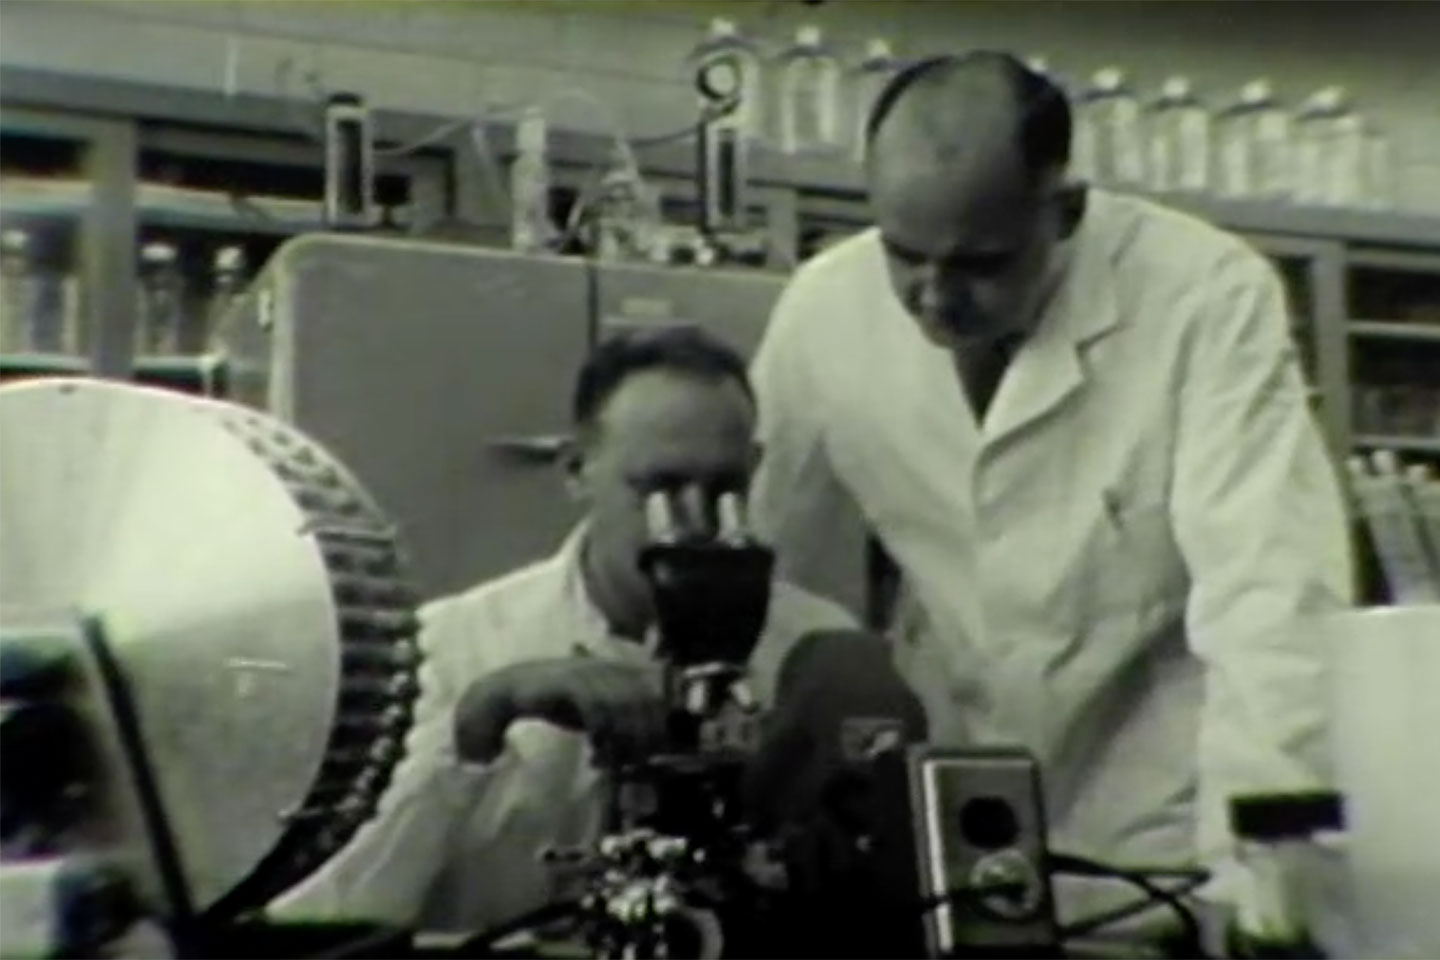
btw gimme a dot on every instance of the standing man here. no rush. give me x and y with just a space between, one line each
1077 423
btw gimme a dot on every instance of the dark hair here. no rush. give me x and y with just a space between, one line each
680 348
1045 122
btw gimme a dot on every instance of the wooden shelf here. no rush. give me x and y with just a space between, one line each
1414 444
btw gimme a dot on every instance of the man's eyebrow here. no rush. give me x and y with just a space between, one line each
960 256
900 250
675 477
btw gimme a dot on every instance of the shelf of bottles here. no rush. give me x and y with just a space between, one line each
204 225
41 330
803 96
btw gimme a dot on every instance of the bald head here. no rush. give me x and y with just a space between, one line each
984 108
965 169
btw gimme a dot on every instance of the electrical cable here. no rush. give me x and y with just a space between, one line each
1125 911
618 134
311 127
489 163
1154 896
659 140
440 133
969 894
625 146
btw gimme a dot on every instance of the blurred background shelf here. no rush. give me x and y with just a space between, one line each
108 168
42 363
1371 441
203 374
1385 330
164 205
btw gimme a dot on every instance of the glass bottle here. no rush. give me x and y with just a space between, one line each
531 228
809 95
870 76
723 43
1348 147
1179 133
627 218
1112 117
1275 836
1312 123
1256 147
228 276
160 316
1379 170
17 295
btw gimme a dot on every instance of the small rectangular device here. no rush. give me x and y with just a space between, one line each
723 176
349 164
980 844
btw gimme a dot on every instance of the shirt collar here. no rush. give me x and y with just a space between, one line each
1083 305
591 634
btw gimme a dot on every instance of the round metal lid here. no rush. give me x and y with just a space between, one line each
253 595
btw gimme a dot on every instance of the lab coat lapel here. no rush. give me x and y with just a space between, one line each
1048 370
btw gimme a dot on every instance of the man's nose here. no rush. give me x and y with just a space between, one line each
942 292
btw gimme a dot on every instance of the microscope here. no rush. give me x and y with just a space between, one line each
677 857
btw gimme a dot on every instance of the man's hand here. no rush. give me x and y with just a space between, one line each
620 705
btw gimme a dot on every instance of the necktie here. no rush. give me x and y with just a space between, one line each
981 370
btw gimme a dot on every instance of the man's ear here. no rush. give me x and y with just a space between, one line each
572 463
1072 199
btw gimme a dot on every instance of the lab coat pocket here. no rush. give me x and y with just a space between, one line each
1132 561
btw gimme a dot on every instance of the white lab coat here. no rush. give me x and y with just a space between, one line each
455 847
1104 571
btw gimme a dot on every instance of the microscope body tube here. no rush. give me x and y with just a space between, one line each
690 513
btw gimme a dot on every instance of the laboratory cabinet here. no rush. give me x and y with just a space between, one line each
439 374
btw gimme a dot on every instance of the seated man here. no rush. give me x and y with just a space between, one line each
527 675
